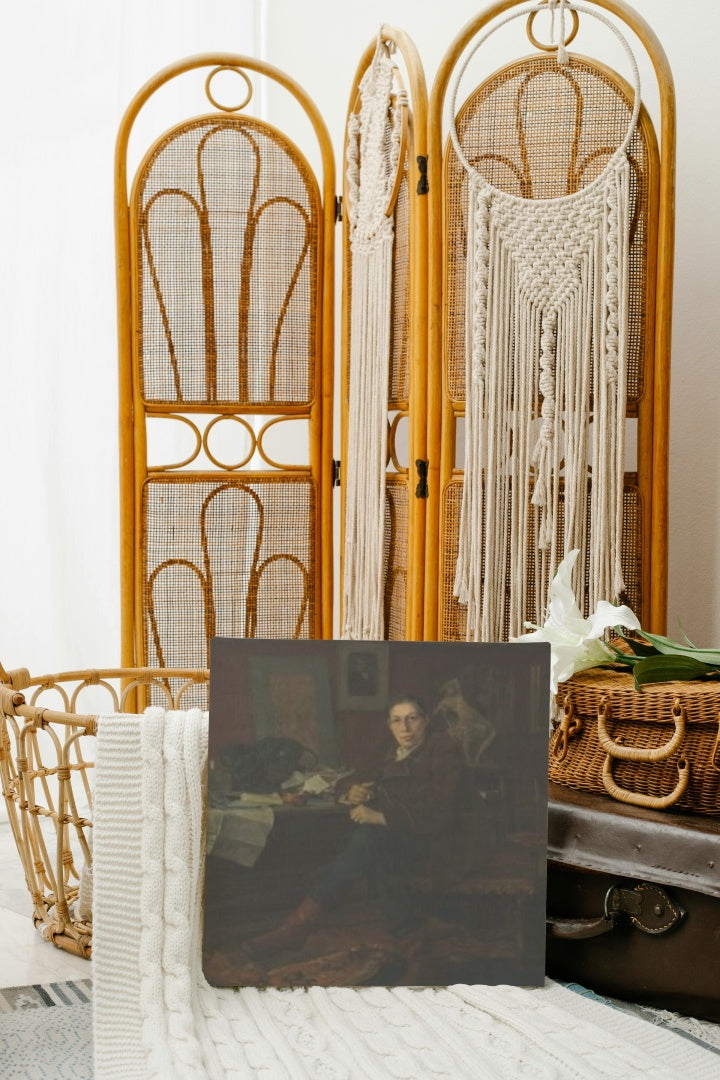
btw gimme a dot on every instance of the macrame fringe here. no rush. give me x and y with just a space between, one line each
372 162
546 331
547 303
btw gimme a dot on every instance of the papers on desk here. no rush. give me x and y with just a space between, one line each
239 834
320 783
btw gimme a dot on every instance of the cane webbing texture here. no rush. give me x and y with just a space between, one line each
233 557
539 131
399 375
452 616
226 219
396 555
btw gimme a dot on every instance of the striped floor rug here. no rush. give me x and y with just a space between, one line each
46 1031
17 998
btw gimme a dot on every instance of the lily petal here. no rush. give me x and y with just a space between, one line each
607 615
575 642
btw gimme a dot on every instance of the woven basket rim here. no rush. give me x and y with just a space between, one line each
653 704
622 680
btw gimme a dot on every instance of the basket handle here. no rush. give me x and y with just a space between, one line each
634 753
570 726
715 752
652 802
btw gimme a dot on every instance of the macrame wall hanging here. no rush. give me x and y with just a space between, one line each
546 343
375 154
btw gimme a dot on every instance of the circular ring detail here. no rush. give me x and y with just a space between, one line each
238 71
216 461
461 68
551 48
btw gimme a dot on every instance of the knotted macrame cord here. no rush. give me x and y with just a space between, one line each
546 318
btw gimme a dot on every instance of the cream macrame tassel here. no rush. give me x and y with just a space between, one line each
371 168
546 319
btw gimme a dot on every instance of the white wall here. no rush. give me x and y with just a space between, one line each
67 73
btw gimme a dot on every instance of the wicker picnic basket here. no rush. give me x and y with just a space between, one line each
46 758
658 747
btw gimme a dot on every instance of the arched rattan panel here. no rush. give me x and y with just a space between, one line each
406 396
541 130
225 289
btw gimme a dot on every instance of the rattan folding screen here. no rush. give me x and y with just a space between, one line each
225 284
225 254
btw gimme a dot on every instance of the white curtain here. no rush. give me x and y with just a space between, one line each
68 71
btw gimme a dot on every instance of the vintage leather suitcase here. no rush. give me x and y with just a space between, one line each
634 902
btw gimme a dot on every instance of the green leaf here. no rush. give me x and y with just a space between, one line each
640 648
687 639
672 648
653 669
621 657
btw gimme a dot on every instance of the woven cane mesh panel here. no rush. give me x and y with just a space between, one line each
396 556
233 558
453 617
399 377
539 131
226 218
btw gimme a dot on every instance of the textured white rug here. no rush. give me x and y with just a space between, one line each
155 1015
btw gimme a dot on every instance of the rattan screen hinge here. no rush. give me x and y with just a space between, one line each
423 186
421 491
338 208
335 473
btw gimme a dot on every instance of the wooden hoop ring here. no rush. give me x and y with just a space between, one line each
551 48
238 71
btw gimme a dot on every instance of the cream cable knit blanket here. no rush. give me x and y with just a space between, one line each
156 1016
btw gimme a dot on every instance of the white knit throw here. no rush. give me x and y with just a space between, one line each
546 317
156 1017
371 167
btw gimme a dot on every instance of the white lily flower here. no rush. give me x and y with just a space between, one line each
575 641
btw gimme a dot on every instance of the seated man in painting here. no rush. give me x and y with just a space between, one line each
405 816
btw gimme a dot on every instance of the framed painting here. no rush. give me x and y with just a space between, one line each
291 698
377 813
362 675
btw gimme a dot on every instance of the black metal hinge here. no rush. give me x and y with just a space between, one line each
336 474
422 187
338 208
421 491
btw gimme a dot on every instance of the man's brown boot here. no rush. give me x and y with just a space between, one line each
292 931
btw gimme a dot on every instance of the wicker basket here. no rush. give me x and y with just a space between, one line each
658 747
46 754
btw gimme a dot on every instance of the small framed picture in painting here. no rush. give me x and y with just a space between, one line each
362 675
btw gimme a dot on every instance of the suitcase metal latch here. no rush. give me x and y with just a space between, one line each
647 906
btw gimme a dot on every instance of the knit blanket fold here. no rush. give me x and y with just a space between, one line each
154 1015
